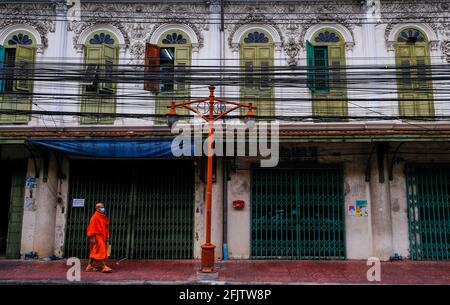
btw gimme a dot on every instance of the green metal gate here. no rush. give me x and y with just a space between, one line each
16 210
428 190
150 206
297 213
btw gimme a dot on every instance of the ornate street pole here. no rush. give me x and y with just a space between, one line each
207 258
207 254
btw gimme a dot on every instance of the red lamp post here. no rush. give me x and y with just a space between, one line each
207 254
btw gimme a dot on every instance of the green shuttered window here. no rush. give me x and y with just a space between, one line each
415 89
326 75
99 89
17 58
256 61
175 56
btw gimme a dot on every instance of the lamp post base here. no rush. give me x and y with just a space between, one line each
207 259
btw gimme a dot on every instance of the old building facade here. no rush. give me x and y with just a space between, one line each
364 165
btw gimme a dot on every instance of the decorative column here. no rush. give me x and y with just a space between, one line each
369 42
61 50
380 199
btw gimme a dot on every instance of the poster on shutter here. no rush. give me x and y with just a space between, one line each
362 209
78 203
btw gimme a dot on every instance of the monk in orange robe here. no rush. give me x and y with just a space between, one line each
98 234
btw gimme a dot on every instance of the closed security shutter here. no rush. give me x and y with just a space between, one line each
16 213
428 193
297 213
150 205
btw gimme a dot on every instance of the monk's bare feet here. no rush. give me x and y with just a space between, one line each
91 268
106 269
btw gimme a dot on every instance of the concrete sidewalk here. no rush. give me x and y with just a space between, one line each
230 272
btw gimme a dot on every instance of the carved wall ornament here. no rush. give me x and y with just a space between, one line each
134 29
292 48
252 18
445 47
13 14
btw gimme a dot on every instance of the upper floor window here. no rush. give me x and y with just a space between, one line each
167 63
167 67
17 58
101 52
326 73
256 60
415 89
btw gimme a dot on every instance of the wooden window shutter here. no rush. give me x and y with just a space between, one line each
311 66
92 59
24 67
151 71
2 68
108 60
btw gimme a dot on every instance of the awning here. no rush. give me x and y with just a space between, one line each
113 148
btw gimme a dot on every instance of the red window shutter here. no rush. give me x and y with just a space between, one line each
151 79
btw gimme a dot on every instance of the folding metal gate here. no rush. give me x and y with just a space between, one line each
150 206
297 213
428 190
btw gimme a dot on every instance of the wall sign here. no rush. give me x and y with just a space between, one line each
78 203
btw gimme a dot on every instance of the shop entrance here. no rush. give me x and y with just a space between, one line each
150 205
297 213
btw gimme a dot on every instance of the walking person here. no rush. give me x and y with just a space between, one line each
98 234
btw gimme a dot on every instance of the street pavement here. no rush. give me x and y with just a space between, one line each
230 272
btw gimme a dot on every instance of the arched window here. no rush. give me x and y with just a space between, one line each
167 65
414 76
326 74
256 58
17 56
101 53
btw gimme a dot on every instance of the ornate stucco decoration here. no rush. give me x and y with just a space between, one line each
397 13
136 22
16 14
292 48
329 20
252 18
445 47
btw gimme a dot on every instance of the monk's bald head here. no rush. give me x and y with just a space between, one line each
99 205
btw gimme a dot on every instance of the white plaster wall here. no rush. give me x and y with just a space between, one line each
357 229
44 234
61 210
239 220
29 217
399 210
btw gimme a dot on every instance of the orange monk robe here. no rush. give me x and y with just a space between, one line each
99 229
